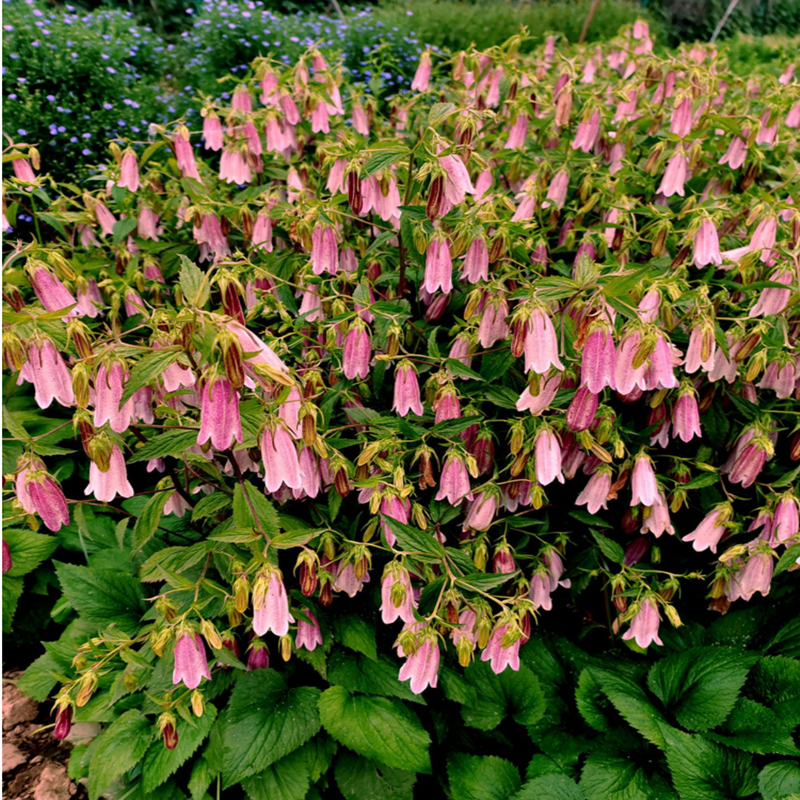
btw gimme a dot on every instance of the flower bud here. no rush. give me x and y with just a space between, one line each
63 722
166 724
197 702
13 351
434 198
672 616
211 636
286 647
86 688
81 384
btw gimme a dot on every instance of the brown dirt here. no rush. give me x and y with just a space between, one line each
34 763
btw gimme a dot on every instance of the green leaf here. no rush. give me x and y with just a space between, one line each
28 550
357 634
779 780
700 686
103 596
632 703
121 746
380 728
12 590
210 505
439 113
359 673
160 764
380 159
169 443
147 522
482 777
511 693
193 282
788 558
201 778
264 722
460 370
243 514
592 703
609 548
122 228
38 681
362 779
582 515
484 581
756 729
413 540
702 770
775 681
617 773
287 779
550 787
148 368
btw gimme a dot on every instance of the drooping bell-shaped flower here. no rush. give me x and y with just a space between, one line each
581 411
675 175
657 520
47 499
184 152
52 294
454 482
108 391
406 390
273 612
129 172
597 360
643 482
476 261
324 251
191 664
356 351
539 403
105 486
681 122
644 625
46 370
493 327
686 415
360 120
518 133
279 454
707 535
595 494
219 414
786 521
587 133
541 343
212 138
547 457
499 656
702 349
457 183
438 267
756 575
309 636
289 412
481 511
423 74
773 300
422 666
397 508
557 191
397 596
748 458
706 245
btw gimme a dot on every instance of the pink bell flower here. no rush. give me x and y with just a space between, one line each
675 175
397 596
422 666
212 137
273 614
587 133
702 349
643 482
547 457
657 520
129 172
108 390
706 245
681 122
8 560
52 294
105 486
500 657
539 403
786 521
454 482
397 508
518 133
756 575
406 390
493 327
422 76
219 415
360 120
457 183
707 535
438 267
541 343
773 300
289 412
736 153
595 494
581 411
324 252
47 499
191 664
481 511
476 261
686 416
309 636
597 361
644 625
356 352
47 371
184 152
557 191
281 464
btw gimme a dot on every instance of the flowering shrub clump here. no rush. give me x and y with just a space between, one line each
378 393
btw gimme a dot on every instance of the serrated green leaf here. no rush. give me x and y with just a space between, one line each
168 443
380 728
700 686
12 590
264 722
755 729
121 746
160 764
380 159
243 513
148 368
358 673
103 596
201 778
780 780
482 777
193 282
609 548
148 521
582 515
28 550
440 112
210 505
357 634
550 787
618 773
287 779
412 540
362 779
775 681
703 770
